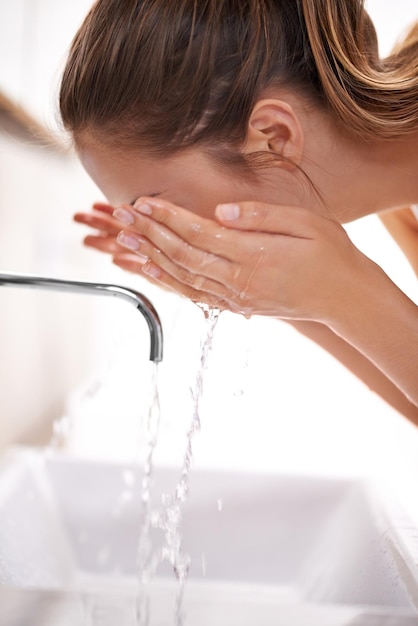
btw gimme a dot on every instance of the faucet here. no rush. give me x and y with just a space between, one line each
140 302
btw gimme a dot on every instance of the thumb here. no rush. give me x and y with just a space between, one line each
266 218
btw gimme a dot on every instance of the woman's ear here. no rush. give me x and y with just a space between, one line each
275 128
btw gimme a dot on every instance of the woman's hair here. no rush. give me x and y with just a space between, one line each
165 75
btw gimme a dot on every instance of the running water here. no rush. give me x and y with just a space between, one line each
169 519
147 562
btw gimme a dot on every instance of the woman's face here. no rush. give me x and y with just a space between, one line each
190 180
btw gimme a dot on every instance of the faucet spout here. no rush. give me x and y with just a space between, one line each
139 301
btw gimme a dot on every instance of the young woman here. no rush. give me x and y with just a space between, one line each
232 138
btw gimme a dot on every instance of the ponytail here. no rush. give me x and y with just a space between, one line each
407 47
171 74
372 98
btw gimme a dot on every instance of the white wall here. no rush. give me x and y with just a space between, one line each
300 409
42 337
34 38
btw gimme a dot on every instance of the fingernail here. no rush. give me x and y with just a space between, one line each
152 270
228 211
129 241
124 216
143 207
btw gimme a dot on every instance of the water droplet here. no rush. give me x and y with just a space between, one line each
182 490
129 478
60 431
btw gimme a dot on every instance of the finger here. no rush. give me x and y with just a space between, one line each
199 232
99 221
197 279
158 277
193 286
130 262
267 218
103 244
104 208
189 265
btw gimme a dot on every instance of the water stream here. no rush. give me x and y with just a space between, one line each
146 560
169 517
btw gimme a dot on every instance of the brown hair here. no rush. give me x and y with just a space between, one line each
168 74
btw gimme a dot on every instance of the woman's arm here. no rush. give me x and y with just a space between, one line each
285 262
402 224
381 322
359 365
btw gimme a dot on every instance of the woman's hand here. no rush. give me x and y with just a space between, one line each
255 259
270 260
105 239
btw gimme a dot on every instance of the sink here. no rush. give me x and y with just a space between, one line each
265 549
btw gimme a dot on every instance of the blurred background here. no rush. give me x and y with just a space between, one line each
273 400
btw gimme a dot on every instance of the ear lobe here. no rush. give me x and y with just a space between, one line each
274 128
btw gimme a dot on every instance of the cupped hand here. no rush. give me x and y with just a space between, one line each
254 258
104 240
107 228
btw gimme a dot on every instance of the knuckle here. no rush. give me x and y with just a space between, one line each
196 283
143 227
199 283
209 259
255 208
256 211
185 277
197 235
180 255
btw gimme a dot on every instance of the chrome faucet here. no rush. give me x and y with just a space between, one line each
140 302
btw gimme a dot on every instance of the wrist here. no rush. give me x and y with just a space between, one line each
381 322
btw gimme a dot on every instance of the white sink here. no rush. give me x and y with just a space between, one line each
266 550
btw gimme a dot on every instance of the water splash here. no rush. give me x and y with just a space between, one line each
60 432
170 518
146 560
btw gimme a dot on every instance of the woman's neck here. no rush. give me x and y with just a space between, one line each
355 178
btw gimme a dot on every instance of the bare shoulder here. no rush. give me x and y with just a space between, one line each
402 224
